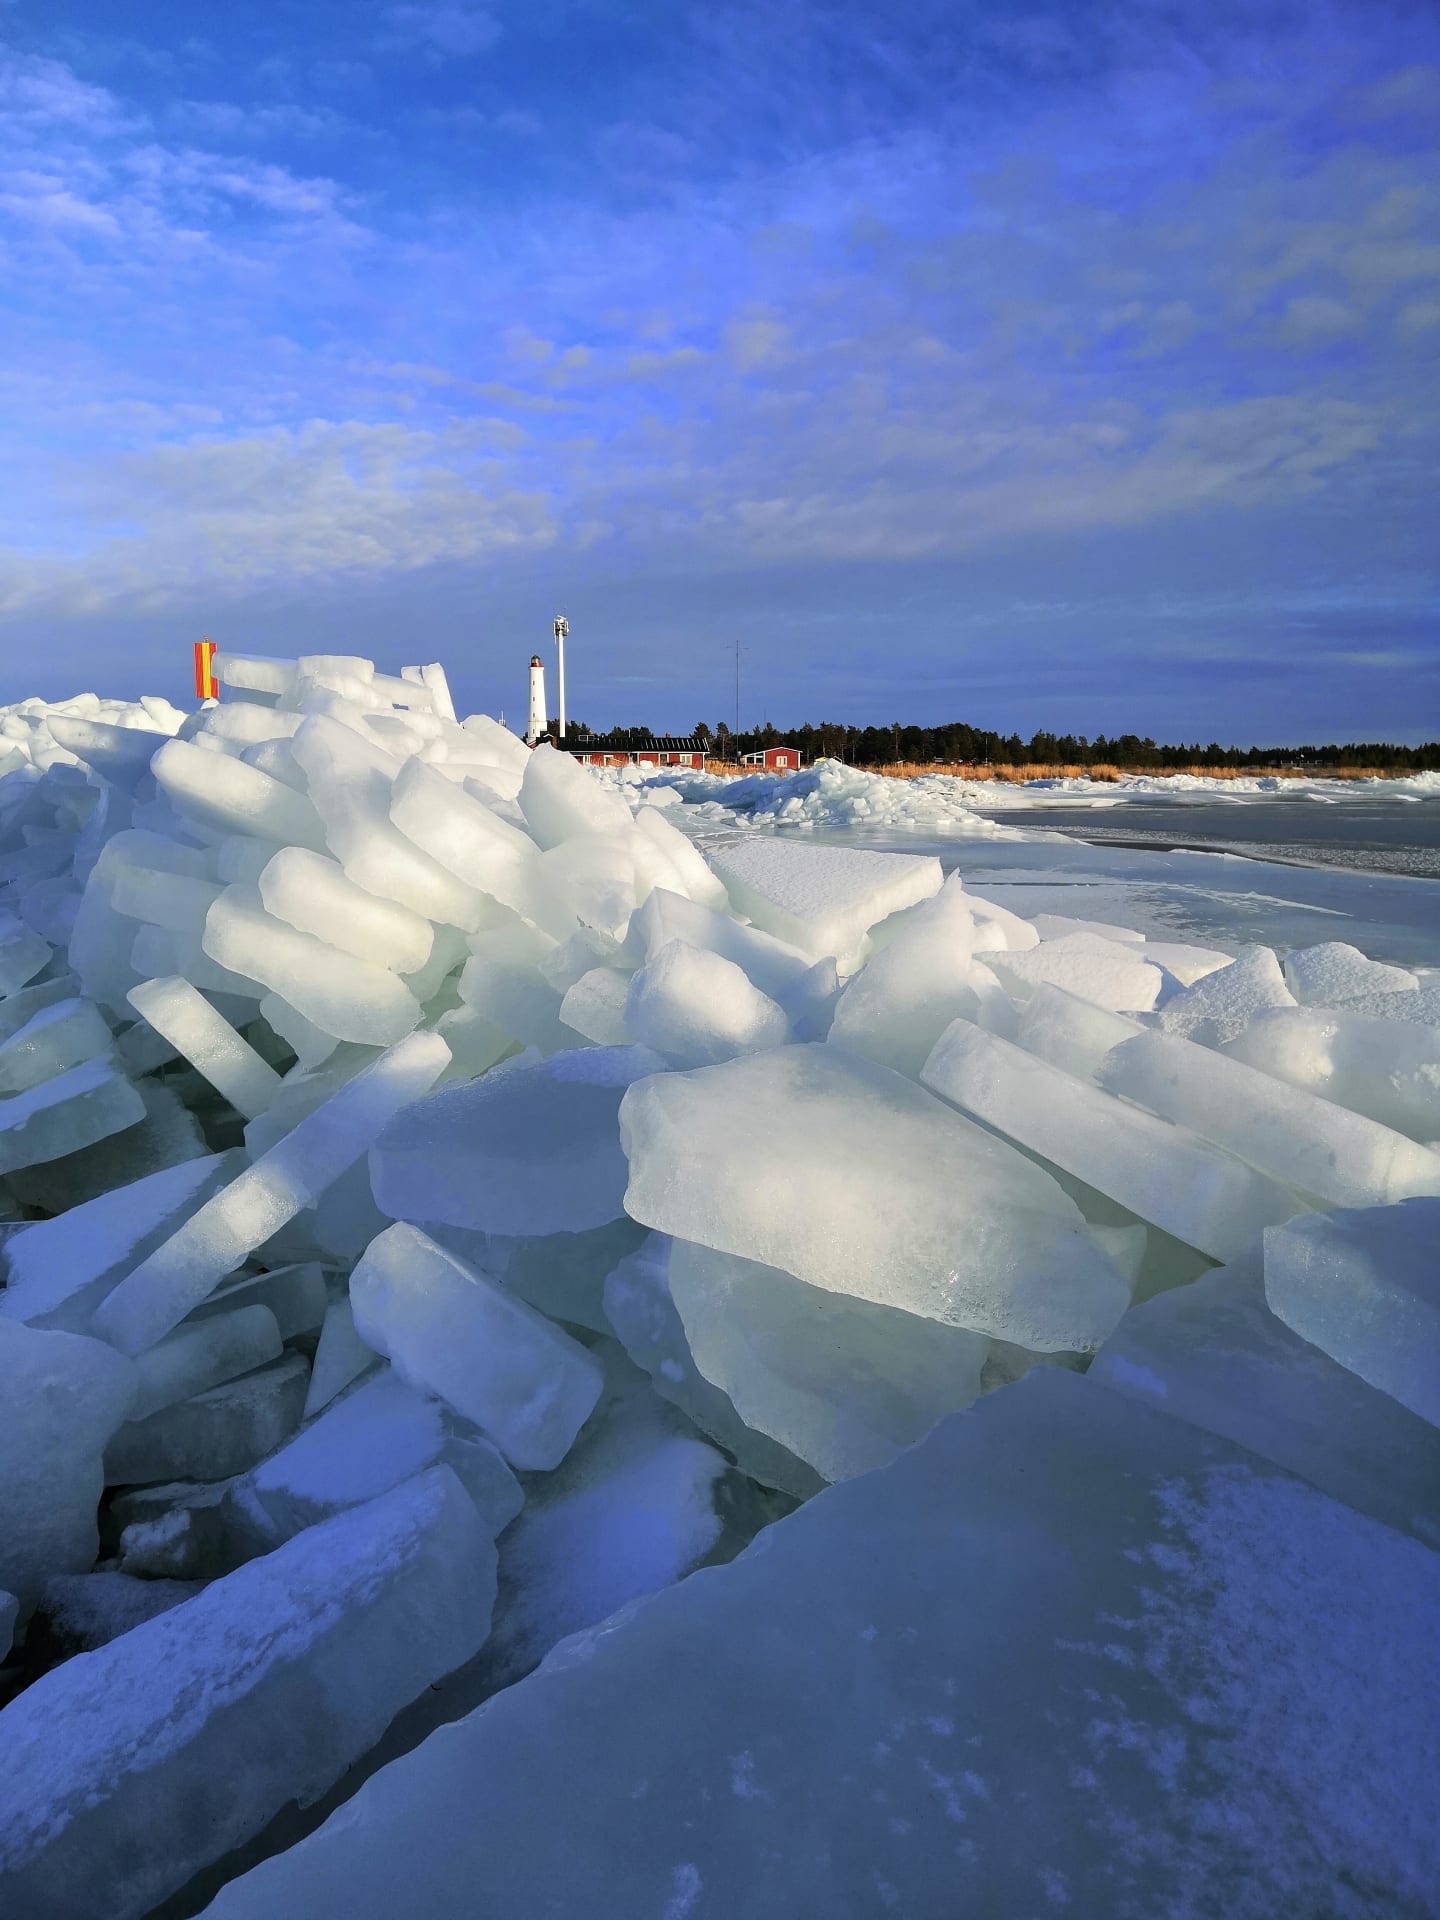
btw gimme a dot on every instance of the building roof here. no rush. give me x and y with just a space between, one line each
642 743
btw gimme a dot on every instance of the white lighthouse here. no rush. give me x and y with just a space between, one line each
536 730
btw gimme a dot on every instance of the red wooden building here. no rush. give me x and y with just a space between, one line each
775 759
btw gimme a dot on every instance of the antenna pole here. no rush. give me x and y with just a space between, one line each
737 685
562 628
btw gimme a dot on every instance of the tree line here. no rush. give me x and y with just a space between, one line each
958 743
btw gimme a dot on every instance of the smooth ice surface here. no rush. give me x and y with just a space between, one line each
532 1147
76 1109
1223 1662
1109 973
129 1769
1386 1069
1334 972
58 1271
1293 1136
208 1041
897 1006
1213 1353
697 1008
52 1040
312 894
179 1273
382 1433
295 1295
1162 1173
352 998
451 1331
823 900
1364 1287
862 1183
201 1355
63 1396
214 1434
1221 1005
841 1383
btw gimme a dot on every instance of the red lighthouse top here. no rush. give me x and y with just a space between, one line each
535 660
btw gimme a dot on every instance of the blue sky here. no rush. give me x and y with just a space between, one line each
1073 367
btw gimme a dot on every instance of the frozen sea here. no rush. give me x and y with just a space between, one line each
1288 872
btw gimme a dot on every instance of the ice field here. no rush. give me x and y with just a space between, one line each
626 1346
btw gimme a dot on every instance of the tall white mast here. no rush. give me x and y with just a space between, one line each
562 628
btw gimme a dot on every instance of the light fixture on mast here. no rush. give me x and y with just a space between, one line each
562 630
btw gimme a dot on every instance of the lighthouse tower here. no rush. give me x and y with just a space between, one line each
536 730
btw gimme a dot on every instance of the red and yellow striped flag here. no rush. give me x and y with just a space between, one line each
206 685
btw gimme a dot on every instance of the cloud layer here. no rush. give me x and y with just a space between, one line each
1103 347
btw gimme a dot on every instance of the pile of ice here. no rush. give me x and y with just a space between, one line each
441 1208
827 794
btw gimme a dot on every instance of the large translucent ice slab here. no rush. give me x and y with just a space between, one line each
1221 1005
350 784
1386 1069
647 1323
121 754
60 1116
180 1272
200 1355
1162 1173
697 1008
208 1041
1364 1287
594 1006
382 1433
1069 1032
902 1000
774 967
340 993
59 1270
858 1181
131 1768
225 796
531 1148
312 894
451 1331
1293 1136
562 800
22 954
1109 973
466 837
216 1434
839 1382
63 1396
55 1038
1214 1353
102 939
823 900
1194 1673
